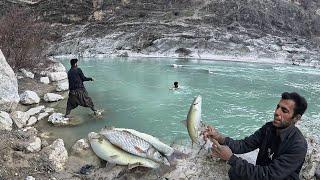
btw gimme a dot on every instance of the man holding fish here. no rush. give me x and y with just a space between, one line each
282 147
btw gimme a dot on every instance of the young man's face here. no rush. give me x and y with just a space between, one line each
283 114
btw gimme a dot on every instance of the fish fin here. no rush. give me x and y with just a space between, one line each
113 157
107 128
100 139
184 122
131 166
139 149
126 131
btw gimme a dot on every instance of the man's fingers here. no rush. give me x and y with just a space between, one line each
215 144
214 154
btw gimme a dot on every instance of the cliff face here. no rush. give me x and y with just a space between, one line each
271 28
272 16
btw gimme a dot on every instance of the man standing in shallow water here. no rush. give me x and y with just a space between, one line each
78 94
282 147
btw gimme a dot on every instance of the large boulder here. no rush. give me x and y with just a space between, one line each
55 155
29 97
5 121
9 97
312 159
58 76
55 66
62 85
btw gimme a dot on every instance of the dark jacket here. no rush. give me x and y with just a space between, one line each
76 78
280 156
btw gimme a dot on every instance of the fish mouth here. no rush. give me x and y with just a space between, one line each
197 100
93 135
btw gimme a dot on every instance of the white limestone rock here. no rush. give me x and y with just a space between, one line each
49 110
31 121
312 159
58 76
20 118
52 97
9 97
29 97
29 130
55 67
5 121
27 74
62 86
34 145
58 119
35 110
45 80
30 178
55 155
80 146
42 116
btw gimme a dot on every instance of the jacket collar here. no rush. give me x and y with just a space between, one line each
286 132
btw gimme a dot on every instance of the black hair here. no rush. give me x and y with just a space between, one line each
300 102
73 62
175 84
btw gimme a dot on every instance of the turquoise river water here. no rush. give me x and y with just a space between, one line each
238 97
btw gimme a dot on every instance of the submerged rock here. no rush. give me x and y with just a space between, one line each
58 119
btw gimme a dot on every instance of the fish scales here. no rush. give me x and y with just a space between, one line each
133 144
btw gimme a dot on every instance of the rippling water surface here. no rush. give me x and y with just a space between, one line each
238 97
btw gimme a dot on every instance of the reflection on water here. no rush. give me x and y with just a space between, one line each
238 98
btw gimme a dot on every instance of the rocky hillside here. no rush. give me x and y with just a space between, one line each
300 17
286 29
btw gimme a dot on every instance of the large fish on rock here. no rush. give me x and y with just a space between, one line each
107 151
155 142
133 144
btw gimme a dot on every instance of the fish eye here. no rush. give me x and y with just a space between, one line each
195 103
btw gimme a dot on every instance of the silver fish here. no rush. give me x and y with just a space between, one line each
105 150
194 120
155 142
133 144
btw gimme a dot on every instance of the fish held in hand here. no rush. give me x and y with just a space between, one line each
193 121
